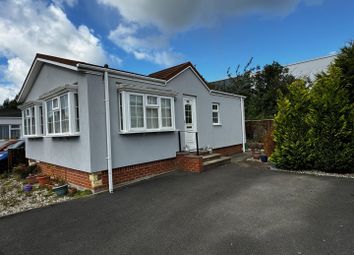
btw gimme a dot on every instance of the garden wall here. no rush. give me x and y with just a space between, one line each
255 129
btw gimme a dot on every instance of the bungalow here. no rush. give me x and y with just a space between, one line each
10 124
98 127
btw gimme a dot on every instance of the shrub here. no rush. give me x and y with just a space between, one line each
332 124
291 128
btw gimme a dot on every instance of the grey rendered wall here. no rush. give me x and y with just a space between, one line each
10 121
229 133
72 152
127 149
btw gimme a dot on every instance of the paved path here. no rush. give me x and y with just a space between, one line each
234 209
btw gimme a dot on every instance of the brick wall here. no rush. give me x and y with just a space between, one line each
189 162
99 180
229 150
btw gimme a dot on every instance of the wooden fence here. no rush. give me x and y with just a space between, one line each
255 129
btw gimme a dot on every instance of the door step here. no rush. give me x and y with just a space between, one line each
214 162
208 157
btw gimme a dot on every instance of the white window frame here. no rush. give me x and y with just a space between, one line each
37 130
73 130
124 112
215 111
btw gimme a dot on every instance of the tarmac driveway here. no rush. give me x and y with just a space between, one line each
234 209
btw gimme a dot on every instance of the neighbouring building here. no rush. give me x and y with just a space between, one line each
10 124
97 127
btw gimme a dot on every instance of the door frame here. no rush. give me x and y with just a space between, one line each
193 100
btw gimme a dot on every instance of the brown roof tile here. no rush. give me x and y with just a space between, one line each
170 72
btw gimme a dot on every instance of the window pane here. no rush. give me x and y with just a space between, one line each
49 117
77 113
15 134
215 117
152 118
64 111
188 113
215 107
4 132
56 122
33 122
152 100
136 111
166 112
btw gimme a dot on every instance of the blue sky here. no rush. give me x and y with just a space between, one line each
147 35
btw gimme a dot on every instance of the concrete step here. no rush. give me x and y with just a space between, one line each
212 156
216 162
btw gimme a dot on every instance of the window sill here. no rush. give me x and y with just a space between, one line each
217 124
33 136
64 135
146 131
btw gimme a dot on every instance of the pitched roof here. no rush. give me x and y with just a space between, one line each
65 61
170 72
10 113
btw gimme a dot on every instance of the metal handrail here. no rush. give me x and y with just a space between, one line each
196 139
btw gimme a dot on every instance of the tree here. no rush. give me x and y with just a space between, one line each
9 104
269 84
331 120
345 62
291 128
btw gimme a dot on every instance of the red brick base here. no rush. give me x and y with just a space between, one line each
99 180
229 150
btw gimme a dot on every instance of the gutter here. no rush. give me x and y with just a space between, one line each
108 130
243 124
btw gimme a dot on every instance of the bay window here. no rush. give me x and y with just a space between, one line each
145 113
31 119
62 114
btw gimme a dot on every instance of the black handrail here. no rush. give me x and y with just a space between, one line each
196 139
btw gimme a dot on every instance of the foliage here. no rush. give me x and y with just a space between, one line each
291 128
261 87
314 127
331 120
345 62
9 104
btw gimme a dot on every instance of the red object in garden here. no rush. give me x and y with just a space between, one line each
31 179
43 180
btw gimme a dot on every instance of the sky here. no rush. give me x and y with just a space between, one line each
145 36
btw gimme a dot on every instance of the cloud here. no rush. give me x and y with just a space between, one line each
28 27
170 17
145 47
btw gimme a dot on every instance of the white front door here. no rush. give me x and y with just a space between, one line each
190 122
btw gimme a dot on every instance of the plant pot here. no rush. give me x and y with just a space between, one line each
256 155
31 179
27 188
264 158
61 190
43 180
72 191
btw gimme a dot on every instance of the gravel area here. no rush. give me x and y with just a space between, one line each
13 199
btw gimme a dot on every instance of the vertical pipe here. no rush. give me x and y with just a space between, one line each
108 132
243 125
179 141
197 142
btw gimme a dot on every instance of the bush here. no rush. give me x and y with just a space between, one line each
314 127
291 128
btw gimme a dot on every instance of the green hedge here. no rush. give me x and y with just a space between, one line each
314 126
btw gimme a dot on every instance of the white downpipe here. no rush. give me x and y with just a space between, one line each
108 132
243 124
